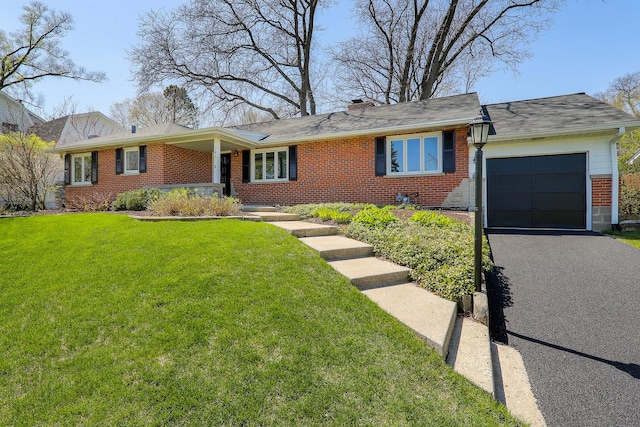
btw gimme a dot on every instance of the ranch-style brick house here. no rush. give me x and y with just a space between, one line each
549 162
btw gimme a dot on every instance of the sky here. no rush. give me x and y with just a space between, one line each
588 45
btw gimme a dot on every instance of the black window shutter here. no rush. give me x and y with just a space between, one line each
293 163
142 153
118 161
67 169
94 167
246 165
381 158
449 151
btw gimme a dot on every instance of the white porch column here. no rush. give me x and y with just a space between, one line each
215 173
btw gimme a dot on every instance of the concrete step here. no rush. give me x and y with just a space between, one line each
338 247
430 316
470 353
306 229
258 208
512 385
371 272
276 216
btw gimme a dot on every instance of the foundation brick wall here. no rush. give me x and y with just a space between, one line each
344 171
601 203
601 192
165 165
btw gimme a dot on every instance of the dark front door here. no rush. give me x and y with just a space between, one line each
225 172
537 192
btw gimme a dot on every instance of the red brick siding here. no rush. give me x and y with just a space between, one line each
344 171
184 166
163 167
601 192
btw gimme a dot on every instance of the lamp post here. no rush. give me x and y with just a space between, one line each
479 129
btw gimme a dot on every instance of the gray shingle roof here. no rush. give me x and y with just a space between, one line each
554 114
559 115
159 130
453 109
51 130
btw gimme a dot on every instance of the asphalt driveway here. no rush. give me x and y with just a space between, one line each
570 303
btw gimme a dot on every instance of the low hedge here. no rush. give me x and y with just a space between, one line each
135 200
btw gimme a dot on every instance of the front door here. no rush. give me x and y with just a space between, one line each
225 172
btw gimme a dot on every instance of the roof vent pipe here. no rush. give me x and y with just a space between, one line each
133 128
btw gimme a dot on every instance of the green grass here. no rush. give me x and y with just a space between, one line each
629 237
109 321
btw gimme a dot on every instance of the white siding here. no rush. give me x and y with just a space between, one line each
13 112
80 126
598 151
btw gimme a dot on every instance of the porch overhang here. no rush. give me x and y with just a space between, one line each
203 140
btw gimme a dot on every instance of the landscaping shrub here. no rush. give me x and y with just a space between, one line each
375 217
440 256
325 214
630 196
135 200
431 218
343 217
308 210
328 214
181 202
93 202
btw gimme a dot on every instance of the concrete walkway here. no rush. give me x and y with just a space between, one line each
463 342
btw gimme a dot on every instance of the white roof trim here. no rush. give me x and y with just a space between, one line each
629 126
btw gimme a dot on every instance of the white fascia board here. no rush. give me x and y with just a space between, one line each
171 139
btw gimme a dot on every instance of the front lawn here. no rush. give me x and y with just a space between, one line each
109 321
629 237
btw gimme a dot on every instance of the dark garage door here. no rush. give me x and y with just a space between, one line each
537 191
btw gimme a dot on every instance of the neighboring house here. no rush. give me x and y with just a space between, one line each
73 128
549 163
14 116
76 127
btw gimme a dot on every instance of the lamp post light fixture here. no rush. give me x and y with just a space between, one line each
479 129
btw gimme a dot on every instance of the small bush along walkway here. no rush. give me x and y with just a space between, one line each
437 248
108 321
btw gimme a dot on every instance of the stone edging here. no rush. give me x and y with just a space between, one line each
149 218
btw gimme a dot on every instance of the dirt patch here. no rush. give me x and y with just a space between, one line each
463 216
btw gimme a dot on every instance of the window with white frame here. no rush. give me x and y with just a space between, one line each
81 173
270 165
414 154
131 160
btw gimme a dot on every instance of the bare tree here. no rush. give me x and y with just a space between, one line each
147 109
420 49
33 52
624 93
28 170
257 53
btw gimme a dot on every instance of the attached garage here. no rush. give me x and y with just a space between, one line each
537 191
552 163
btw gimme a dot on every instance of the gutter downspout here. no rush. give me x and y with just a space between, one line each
615 178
